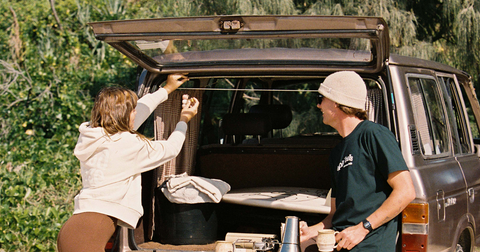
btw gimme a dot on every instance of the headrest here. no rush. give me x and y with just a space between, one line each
280 115
246 124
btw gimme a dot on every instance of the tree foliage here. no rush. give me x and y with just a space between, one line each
51 66
452 29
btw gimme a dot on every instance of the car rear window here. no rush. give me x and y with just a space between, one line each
166 52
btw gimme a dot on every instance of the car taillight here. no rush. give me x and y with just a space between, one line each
109 246
415 227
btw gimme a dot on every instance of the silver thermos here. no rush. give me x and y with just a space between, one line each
290 235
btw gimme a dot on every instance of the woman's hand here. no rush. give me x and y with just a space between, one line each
174 81
306 232
189 110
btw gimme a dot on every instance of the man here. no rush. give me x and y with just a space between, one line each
371 182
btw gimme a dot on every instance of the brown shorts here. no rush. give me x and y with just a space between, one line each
86 232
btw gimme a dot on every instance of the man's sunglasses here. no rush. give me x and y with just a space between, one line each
319 98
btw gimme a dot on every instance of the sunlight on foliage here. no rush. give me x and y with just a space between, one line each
51 67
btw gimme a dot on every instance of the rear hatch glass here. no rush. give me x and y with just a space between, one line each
314 42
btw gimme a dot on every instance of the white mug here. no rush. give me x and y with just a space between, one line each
326 240
223 246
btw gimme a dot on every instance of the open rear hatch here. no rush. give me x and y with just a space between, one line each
250 44
260 52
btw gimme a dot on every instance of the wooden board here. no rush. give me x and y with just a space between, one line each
285 198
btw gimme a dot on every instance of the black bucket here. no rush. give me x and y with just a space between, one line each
184 224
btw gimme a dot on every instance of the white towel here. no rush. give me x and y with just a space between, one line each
184 189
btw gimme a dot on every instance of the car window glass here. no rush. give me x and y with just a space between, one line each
471 118
459 125
429 115
177 51
215 104
252 94
306 117
228 95
238 96
299 97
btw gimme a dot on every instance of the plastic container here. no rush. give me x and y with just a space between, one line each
184 224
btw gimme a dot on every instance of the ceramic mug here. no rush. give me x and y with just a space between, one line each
326 240
223 246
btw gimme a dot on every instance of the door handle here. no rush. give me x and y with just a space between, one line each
441 205
471 195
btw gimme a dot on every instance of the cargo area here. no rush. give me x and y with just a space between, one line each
259 198
266 139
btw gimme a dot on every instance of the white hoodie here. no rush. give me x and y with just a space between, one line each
111 165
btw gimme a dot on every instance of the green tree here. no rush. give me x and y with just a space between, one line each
444 31
452 28
52 65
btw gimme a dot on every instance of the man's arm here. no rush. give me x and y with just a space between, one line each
402 194
307 233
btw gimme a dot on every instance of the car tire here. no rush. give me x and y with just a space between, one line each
464 243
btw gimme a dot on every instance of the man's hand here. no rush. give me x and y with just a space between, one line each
351 236
174 81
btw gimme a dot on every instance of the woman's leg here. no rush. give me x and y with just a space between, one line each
86 232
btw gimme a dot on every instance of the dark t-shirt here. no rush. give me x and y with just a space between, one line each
360 166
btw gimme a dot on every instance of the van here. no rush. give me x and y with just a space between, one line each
258 128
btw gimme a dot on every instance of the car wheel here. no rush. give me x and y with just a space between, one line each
464 244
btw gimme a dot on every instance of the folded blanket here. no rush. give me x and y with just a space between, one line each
184 189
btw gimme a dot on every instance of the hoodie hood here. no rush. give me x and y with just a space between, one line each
88 141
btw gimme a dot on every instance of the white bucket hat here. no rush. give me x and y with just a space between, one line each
346 88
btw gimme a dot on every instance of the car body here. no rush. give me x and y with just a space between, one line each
258 128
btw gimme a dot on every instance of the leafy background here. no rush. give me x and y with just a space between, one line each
51 67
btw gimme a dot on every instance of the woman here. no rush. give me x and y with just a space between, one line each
112 156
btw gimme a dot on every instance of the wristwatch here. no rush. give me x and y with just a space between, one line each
367 225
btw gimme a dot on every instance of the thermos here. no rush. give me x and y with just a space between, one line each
290 235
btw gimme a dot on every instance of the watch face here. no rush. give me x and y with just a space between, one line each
367 225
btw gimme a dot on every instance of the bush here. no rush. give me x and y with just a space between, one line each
49 73
51 68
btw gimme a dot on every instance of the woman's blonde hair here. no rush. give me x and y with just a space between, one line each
112 109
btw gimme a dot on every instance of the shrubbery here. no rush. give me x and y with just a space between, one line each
51 66
49 73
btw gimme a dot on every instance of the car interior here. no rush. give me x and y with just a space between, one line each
265 137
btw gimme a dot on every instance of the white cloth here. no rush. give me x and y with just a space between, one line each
184 189
111 165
